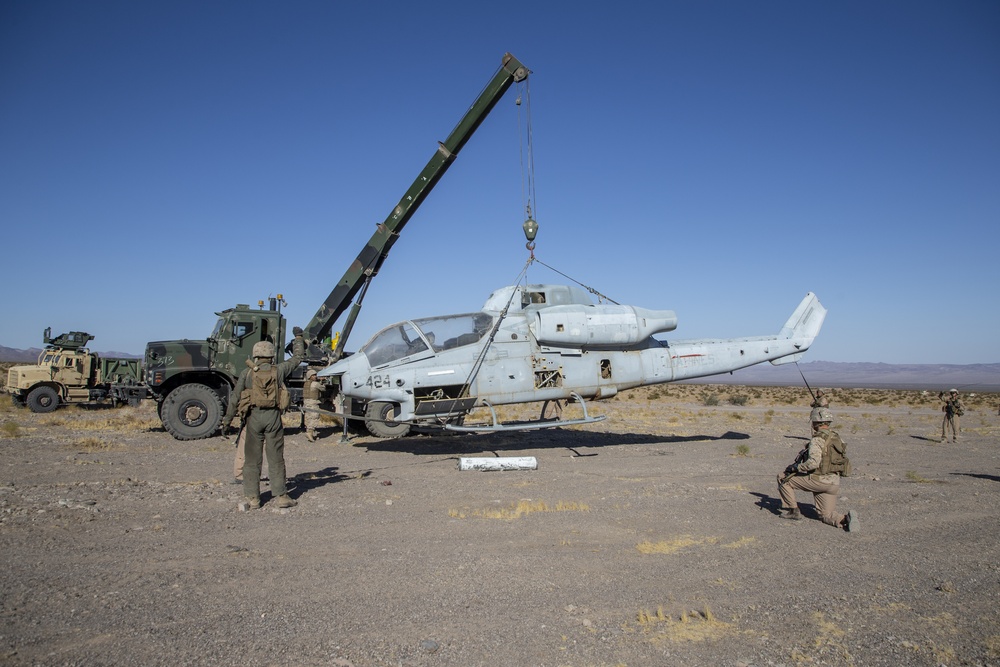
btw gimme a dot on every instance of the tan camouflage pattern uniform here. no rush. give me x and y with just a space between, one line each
310 402
820 400
241 444
825 488
951 407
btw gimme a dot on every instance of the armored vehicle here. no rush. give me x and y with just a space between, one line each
67 372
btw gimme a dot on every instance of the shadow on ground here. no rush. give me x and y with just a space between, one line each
992 478
549 439
773 505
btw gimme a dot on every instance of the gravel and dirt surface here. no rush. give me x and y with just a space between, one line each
648 539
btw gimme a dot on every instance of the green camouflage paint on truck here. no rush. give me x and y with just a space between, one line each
191 380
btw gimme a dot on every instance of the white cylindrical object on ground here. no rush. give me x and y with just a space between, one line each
497 463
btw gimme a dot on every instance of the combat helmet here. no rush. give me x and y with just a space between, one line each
820 415
311 373
263 349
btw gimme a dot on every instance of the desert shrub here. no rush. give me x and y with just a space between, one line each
916 477
738 399
10 430
710 399
91 444
742 450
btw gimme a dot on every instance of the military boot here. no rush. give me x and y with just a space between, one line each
311 436
286 501
792 513
254 503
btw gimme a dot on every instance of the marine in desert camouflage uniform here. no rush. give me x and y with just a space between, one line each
820 400
953 409
804 475
311 389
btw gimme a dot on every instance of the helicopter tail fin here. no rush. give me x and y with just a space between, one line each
802 327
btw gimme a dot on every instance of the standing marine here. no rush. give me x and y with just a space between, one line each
818 469
953 409
261 397
311 389
820 400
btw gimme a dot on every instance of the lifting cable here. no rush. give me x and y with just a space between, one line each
526 138
590 289
528 195
474 371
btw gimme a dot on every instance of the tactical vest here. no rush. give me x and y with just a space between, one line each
834 455
266 389
310 390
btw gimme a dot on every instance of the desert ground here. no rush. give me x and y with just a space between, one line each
650 538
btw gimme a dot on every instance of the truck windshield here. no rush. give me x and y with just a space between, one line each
218 328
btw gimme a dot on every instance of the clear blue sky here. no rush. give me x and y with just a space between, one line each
160 161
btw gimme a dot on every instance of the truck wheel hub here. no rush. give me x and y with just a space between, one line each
193 414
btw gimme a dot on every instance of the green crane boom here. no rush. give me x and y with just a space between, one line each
370 259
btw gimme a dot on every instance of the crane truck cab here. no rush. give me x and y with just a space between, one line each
191 380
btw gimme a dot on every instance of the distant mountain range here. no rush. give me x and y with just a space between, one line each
968 377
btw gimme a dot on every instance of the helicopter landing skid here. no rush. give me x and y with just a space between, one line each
497 426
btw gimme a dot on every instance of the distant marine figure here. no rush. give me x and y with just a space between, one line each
953 409
820 400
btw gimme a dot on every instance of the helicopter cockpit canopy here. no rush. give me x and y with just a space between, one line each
438 333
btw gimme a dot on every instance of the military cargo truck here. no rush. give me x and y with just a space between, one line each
191 380
67 372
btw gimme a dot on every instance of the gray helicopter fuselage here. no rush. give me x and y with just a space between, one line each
544 342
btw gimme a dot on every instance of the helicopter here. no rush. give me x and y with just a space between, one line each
542 343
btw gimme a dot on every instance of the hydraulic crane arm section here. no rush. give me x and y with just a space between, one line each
374 253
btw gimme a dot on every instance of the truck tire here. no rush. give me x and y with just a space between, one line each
378 420
43 399
191 412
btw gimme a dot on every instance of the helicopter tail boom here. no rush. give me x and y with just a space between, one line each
700 358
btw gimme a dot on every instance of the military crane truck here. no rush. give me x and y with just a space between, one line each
191 380
67 372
